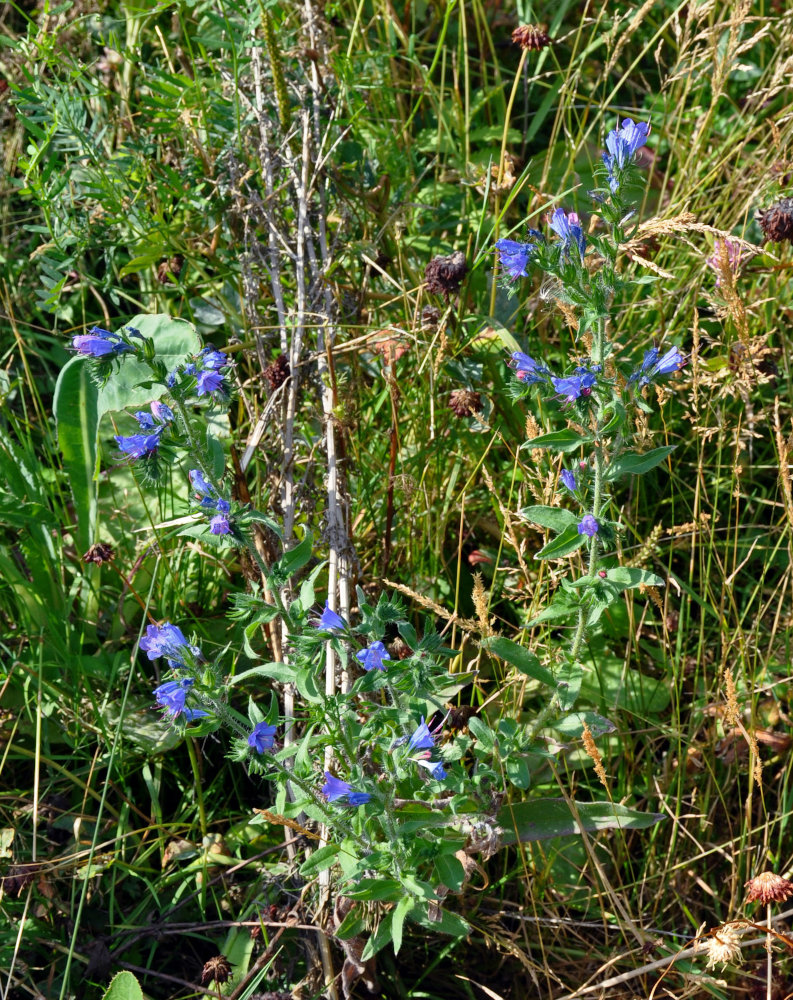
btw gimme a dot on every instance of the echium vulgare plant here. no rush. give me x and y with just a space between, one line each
401 796
595 393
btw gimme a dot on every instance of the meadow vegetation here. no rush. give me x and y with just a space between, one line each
317 191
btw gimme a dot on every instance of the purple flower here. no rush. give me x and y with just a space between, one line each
170 379
329 620
652 366
138 445
335 789
422 738
209 381
171 695
622 142
514 257
372 657
190 369
163 640
219 525
730 252
223 506
568 227
199 483
435 767
212 359
568 478
191 714
526 368
146 420
262 738
95 347
588 526
162 412
570 388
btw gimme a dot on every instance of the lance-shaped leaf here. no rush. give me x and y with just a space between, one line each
563 545
634 465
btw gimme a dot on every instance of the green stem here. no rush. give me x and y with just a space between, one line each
202 815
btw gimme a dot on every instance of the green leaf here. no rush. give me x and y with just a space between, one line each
450 871
540 819
555 518
77 422
352 925
563 545
379 939
173 340
572 726
295 559
123 986
565 441
517 769
569 684
628 578
526 662
403 907
319 860
563 605
632 464
482 732
283 672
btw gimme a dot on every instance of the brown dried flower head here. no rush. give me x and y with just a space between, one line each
768 888
777 221
465 402
99 553
531 36
277 372
217 969
444 274
430 317
724 947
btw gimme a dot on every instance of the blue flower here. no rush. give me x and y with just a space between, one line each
622 142
212 359
514 257
170 379
527 369
568 227
190 369
146 420
329 620
588 526
162 412
372 657
209 381
163 640
570 388
172 695
223 506
138 445
335 789
98 343
422 738
191 714
568 478
652 366
200 484
435 767
262 738
219 525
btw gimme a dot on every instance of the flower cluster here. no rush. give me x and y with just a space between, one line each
99 343
568 388
209 498
171 697
422 742
140 445
653 366
208 369
622 144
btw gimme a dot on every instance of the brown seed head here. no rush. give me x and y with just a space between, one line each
531 36
277 372
444 274
777 221
465 402
768 888
217 969
99 553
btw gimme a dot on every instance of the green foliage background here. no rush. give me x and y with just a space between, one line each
134 183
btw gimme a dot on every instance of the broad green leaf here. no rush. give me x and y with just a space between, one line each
562 606
632 464
482 732
526 662
123 986
173 339
295 559
379 939
539 819
614 687
77 421
555 518
563 545
352 925
572 726
565 441
569 684
283 672
401 910
517 769
319 860
628 578
450 871
386 890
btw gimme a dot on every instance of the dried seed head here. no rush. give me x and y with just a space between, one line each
99 553
724 947
465 402
531 36
430 317
277 372
217 969
444 274
768 888
777 221
171 266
